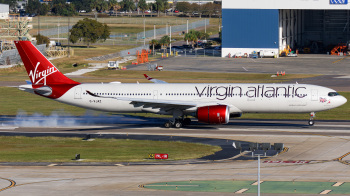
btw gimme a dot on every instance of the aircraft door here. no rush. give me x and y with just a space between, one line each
314 95
77 93
155 94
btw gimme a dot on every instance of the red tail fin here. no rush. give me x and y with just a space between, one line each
40 70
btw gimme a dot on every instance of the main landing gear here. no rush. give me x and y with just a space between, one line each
177 123
312 116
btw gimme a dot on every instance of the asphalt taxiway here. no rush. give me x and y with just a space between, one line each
324 147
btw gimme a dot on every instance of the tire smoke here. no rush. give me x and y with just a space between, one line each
64 119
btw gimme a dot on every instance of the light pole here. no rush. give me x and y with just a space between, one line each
187 32
258 174
166 29
68 36
144 32
58 29
154 37
170 40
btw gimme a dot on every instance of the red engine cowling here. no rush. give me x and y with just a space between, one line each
216 114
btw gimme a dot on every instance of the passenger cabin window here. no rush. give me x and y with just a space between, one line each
332 94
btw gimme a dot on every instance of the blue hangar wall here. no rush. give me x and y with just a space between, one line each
248 30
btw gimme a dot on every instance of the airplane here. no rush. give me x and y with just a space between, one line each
209 103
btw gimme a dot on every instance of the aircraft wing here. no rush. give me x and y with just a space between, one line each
154 80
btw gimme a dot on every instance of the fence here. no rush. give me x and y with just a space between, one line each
166 31
123 53
10 57
192 52
133 38
56 31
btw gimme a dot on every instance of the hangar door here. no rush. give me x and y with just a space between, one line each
319 30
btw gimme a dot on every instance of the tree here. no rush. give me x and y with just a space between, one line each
113 5
152 7
127 5
33 6
153 42
61 8
203 36
208 9
196 9
143 6
44 9
183 7
40 39
82 5
89 31
99 5
217 9
165 41
192 36
160 5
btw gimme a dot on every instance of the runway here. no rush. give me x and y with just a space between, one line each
312 156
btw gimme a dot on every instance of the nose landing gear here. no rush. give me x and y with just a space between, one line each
312 116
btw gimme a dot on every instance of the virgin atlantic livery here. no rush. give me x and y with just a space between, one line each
209 103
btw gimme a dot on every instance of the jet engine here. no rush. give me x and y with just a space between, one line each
216 114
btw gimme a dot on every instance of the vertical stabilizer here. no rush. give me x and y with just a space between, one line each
40 70
46 79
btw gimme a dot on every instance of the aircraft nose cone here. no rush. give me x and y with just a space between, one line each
343 100
339 101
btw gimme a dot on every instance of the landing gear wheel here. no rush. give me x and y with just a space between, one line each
167 125
178 124
312 116
311 122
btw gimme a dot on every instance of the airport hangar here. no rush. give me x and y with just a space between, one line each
272 25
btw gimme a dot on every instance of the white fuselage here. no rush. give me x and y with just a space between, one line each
241 98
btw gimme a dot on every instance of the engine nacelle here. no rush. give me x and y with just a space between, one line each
215 114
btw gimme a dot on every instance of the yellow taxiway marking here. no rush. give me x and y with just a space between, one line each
338 184
340 59
241 191
325 192
256 183
13 183
51 165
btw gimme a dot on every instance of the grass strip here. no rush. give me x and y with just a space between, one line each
57 149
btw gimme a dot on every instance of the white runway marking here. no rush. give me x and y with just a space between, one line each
343 77
8 127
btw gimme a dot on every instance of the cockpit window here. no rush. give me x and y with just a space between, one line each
332 94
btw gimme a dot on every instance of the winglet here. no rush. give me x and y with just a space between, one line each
154 80
147 77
